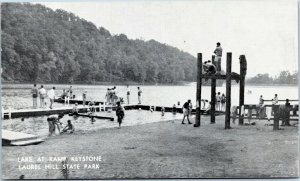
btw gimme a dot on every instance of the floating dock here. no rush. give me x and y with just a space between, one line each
68 109
18 139
93 116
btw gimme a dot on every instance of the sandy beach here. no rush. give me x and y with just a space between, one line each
167 150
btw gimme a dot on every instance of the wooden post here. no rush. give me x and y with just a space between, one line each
243 71
213 96
228 90
198 93
275 108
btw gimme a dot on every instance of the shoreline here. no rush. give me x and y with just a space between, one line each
169 149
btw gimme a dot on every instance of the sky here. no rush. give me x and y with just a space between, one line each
264 31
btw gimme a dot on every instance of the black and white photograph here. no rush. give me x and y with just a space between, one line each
148 89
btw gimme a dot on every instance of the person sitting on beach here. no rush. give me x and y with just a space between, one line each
120 113
69 128
54 121
185 110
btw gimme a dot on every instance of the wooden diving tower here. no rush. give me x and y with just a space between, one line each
229 76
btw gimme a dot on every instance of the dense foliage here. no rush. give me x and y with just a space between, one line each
42 45
284 77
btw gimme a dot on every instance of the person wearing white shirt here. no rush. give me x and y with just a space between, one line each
42 93
51 95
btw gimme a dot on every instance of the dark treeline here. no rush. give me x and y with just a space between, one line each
42 45
284 77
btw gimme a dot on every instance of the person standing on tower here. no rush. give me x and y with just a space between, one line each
218 52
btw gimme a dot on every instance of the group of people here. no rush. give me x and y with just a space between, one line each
112 97
220 102
67 95
209 67
54 122
42 94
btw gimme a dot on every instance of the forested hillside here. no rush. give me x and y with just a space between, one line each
42 45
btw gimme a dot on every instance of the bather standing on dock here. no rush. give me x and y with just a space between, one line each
139 94
42 93
128 94
71 92
34 92
51 95
275 100
84 98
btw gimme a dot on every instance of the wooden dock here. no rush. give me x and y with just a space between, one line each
20 113
18 139
73 101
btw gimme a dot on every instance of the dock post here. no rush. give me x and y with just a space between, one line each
213 96
275 108
243 71
198 93
228 90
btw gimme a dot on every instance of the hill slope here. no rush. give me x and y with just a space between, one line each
42 45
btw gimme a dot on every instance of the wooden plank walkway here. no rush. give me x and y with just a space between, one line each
68 109
40 111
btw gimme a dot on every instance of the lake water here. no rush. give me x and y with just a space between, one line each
18 96
39 126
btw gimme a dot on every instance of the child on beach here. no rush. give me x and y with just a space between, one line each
185 110
69 127
120 113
